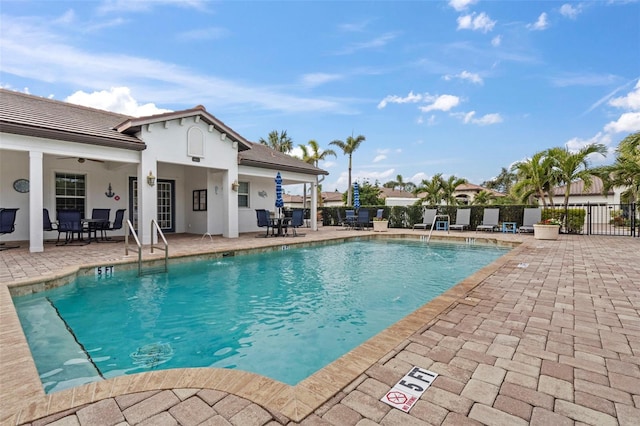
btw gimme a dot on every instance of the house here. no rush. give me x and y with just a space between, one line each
467 192
579 195
187 169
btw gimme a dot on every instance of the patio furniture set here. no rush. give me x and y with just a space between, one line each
280 225
490 221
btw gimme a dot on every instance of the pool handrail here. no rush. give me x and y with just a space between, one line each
156 228
129 229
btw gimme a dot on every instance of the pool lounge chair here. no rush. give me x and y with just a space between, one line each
427 219
463 219
489 220
531 216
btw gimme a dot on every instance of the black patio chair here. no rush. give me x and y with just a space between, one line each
264 221
297 220
101 215
47 225
70 222
7 225
363 219
117 223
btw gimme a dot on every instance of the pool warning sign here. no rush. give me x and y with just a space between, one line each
409 389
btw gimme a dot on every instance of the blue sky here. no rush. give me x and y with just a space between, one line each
456 87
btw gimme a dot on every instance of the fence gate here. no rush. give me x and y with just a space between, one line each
600 219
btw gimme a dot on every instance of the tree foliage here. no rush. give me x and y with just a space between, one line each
348 147
278 141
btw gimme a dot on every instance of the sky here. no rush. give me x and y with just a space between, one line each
460 87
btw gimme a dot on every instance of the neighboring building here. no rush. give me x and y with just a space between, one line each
594 195
467 192
395 197
332 199
186 169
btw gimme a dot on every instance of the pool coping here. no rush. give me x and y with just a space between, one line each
295 402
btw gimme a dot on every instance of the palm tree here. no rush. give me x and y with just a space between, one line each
625 171
501 183
348 148
483 198
433 189
571 166
449 187
278 141
312 155
535 178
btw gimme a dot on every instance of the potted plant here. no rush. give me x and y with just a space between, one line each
380 224
547 229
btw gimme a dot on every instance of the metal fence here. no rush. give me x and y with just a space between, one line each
597 219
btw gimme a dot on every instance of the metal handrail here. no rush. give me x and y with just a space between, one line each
156 228
433 224
129 229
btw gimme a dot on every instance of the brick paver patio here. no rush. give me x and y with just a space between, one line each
547 335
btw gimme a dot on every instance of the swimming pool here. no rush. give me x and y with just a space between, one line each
282 314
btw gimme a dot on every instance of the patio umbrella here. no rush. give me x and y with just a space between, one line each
356 196
279 200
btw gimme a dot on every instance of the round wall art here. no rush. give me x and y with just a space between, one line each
21 185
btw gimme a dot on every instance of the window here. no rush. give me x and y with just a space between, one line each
243 194
71 192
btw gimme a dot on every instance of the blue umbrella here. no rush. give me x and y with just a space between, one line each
279 200
356 196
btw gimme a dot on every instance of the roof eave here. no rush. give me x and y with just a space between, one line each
69 137
272 166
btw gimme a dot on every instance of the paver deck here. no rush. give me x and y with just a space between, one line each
549 334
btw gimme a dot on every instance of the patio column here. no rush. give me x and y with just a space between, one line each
36 233
229 205
314 206
147 200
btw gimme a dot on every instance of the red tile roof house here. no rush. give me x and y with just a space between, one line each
88 158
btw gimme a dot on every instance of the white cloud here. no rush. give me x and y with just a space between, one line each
474 22
442 103
394 99
629 102
485 120
461 5
628 122
540 24
496 41
211 33
466 75
319 78
375 43
117 99
569 11
120 6
379 158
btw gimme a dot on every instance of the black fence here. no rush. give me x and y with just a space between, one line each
583 219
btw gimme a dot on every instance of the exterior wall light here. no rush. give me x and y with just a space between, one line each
151 179
235 185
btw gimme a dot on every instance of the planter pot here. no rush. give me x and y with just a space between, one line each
380 225
546 232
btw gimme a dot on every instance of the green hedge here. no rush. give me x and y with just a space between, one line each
572 219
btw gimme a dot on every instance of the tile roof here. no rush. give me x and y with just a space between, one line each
577 188
30 115
395 193
35 116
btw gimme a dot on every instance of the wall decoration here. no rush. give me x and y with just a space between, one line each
262 193
200 200
109 193
21 185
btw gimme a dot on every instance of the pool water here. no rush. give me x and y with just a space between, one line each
284 314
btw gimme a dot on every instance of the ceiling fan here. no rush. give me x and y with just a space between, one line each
81 159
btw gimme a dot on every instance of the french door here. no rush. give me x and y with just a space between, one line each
166 204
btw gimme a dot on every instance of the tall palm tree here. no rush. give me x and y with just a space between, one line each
571 166
483 198
535 178
348 148
313 155
625 171
278 141
449 187
433 189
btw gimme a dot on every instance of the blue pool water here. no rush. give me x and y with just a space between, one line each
284 314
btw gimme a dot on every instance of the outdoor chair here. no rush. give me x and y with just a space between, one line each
7 225
297 220
117 223
489 220
350 220
70 222
531 216
379 214
264 221
463 219
427 219
362 220
47 225
101 215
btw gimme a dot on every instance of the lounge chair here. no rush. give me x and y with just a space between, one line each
7 225
264 221
362 221
489 220
427 219
297 220
463 219
531 216
379 214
